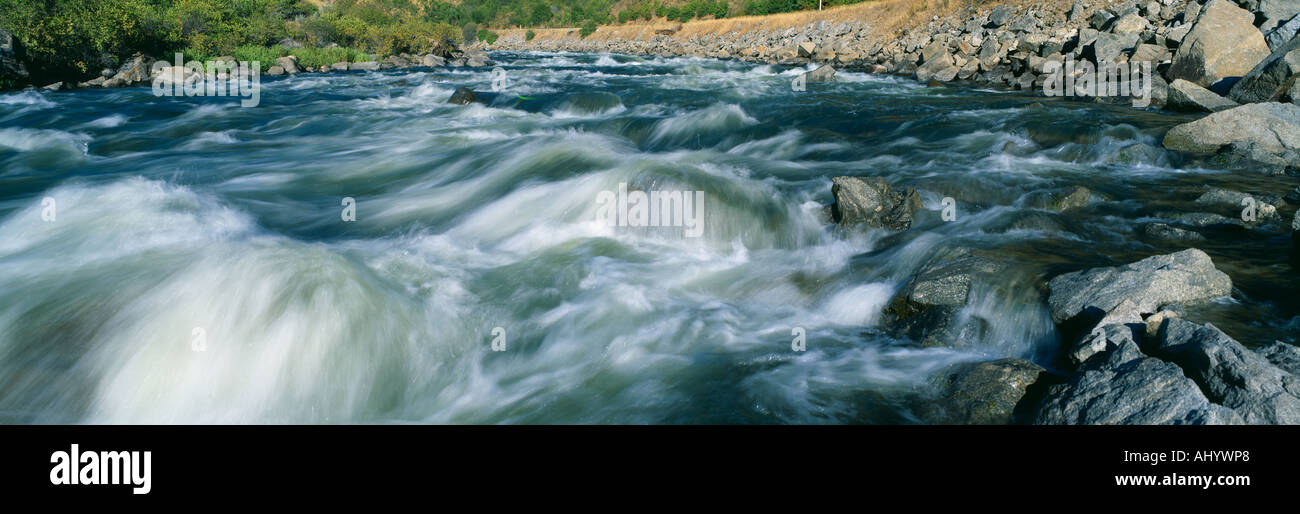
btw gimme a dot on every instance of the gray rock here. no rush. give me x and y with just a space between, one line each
999 16
823 73
1182 277
939 67
928 309
136 70
1231 375
1059 199
1278 9
339 66
1138 153
1162 233
1121 386
365 66
1223 44
1279 35
1189 97
1286 357
275 70
463 96
433 60
1109 332
1130 23
1234 201
872 202
1100 19
1274 127
1109 46
1272 78
289 64
981 393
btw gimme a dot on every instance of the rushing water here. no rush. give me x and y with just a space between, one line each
177 213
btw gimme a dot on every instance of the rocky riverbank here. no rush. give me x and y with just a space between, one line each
1206 57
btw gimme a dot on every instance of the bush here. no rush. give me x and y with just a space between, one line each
528 36
588 27
487 36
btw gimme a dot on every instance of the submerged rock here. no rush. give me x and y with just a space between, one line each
929 308
1230 374
872 202
1176 278
463 96
1162 233
982 393
1059 200
823 73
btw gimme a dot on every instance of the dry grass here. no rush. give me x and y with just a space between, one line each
887 17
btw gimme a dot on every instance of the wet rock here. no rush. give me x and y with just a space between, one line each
1121 386
982 393
1274 127
1165 234
1059 200
1138 153
872 202
928 308
1203 219
1108 333
823 73
1272 78
1231 375
1182 277
463 96
1222 44
1252 157
1234 201
1189 97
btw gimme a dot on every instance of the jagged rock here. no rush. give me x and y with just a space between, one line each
1279 35
1223 44
1162 233
463 96
872 202
939 67
1100 19
136 70
1109 46
1150 53
1286 357
1182 277
999 16
1231 375
1278 10
1175 36
1107 333
1189 97
1272 78
1121 386
1273 127
1130 23
928 309
981 393
806 49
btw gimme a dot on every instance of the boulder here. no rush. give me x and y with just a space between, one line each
1109 46
1233 202
981 393
1177 278
463 96
289 63
929 307
1286 357
823 73
1230 374
999 16
136 70
1138 153
339 66
1130 24
1271 78
806 49
275 70
872 202
1272 127
1278 11
365 66
1189 97
1223 44
1121 386
433 60
1100 19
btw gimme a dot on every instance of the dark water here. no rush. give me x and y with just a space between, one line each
177 214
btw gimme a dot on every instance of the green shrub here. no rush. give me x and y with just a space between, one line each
528 36
588 27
